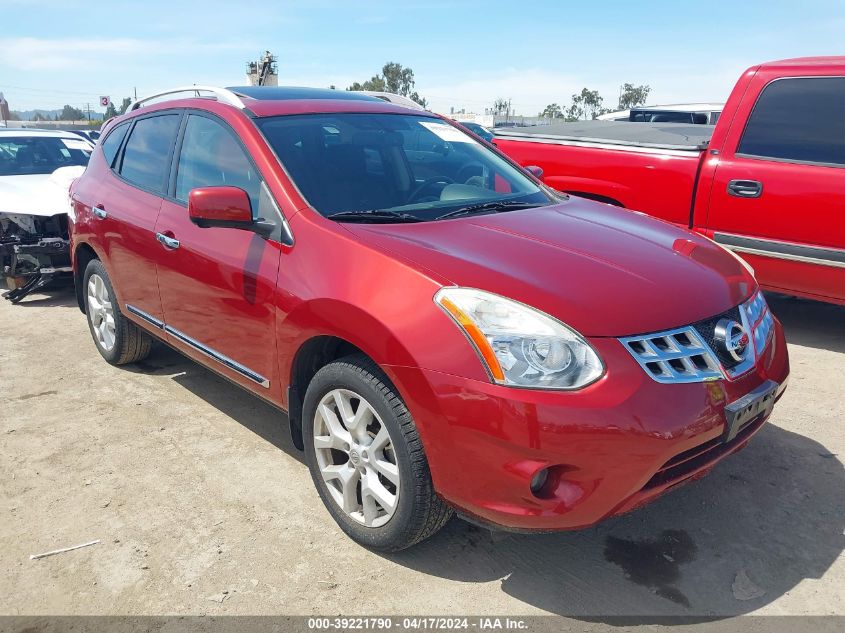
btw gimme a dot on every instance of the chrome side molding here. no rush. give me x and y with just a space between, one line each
834 257
147 317
211 353
220 358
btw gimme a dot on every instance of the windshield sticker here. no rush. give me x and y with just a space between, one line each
448 133
74 144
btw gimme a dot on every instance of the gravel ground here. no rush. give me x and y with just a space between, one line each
202 505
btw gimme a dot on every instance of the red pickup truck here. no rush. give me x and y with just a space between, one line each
767 181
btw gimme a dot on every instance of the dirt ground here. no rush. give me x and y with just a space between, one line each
202 506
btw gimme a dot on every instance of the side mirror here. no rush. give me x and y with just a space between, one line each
535 171
227 207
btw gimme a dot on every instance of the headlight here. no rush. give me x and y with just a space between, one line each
521 346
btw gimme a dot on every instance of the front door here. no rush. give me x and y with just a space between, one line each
778 195
217 285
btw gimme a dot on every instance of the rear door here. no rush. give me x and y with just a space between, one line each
127 205
778 195
218 284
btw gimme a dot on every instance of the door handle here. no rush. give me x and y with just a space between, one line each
745 188
168 242
100 212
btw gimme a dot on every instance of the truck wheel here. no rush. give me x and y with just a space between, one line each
366 458
118 340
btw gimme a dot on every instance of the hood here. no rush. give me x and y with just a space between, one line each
601 270
38 194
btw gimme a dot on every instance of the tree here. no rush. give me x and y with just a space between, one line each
375 84
501 107
69 113
552 111
40 117
111 111
394 78
586 104
631 96
125 105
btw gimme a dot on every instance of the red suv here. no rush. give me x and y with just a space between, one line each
443 331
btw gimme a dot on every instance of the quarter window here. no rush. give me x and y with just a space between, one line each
147 152
112 142
798 120
211 157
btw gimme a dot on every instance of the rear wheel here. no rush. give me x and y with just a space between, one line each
366 458
118 340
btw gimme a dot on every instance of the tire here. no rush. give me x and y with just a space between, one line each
417 511
129 344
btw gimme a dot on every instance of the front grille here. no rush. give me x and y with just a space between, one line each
674 356
693 353
707 329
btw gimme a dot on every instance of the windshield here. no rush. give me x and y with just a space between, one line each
27 155
410 167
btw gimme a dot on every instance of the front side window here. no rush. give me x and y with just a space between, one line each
29 155
798 119
147 152
211 157
414 165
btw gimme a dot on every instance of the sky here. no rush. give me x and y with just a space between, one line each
465 54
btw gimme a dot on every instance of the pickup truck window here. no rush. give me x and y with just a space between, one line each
147 152
798 120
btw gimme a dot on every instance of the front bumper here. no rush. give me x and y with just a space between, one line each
610 447
34 250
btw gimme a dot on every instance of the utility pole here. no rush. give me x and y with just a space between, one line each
88 108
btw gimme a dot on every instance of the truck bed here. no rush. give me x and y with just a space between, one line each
673 136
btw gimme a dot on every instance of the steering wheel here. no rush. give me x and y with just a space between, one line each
425 184
469 171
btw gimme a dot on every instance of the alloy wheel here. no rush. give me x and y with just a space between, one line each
356 458
101 312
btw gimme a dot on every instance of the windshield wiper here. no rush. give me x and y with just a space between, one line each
373 215
485 207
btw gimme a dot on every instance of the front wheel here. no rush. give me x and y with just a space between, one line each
366 458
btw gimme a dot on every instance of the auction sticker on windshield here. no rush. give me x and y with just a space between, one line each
447 132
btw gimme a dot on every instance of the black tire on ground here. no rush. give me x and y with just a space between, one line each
131 343
420 512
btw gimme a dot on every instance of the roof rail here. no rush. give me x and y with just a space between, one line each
221 94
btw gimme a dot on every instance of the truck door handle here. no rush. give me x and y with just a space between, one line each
745 188
168 242
100 212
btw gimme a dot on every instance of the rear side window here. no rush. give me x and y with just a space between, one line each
211 157
112 142
147 153
798 120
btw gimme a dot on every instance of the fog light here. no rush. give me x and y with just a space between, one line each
539 480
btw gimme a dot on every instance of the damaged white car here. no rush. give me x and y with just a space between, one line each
36 170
